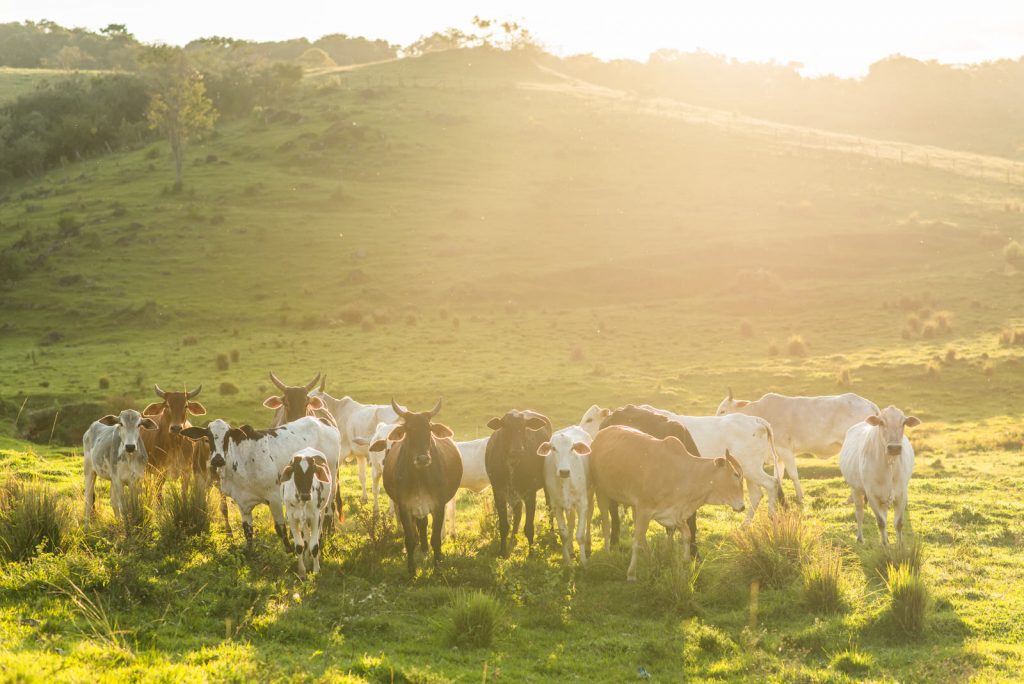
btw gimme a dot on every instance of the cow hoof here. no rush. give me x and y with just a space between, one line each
364 498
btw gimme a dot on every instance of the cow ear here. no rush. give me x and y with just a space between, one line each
535 423
441 431
194 432
109 420
873 420
544 449
397 434
249 431
195 408
740 403
605 412
274 402
154 409
494 423
912 421
285 475
237 434
315 403
148 424
322 473
581 448
379 445
720 462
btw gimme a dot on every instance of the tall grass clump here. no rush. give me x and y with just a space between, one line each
822 576
771 549
33 519
671 581
185 511
910 553
909 598
136 512
796 346
473 620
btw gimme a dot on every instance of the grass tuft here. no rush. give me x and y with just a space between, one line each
222 362
33 519
185 511
473 620
909 553
822 575
796 346
909 598
852 662
671 581
771 549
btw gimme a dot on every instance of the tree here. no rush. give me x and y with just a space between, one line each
180 109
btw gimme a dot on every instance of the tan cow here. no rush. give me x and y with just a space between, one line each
171 454
661 480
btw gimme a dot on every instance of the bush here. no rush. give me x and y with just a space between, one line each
671 581
135 510
943 321
914 323
822 578
909 598
1011 337
746 329
352 314
796 346
576 355
235 356
951 354
772 548
227 388
909 553
32 519
186 511
1013 252
222 362
104 383
189 341
933 370
473 620
773 349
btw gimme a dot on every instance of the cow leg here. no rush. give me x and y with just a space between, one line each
754 492
90 490
858 512
640 523
691 525
224 513
246 514
375 475
531 511
686 541
613 510
788 459
436 530
277 512
449 514
409 529
115 497
314 539
900 509
583 531
881 511
361 460
604 506
299 548
421 527
560 516
517 517
501 508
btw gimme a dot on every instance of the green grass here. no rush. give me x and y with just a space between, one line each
591 254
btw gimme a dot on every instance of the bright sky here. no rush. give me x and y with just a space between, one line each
827 36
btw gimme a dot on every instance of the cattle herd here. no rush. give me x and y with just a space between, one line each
664 465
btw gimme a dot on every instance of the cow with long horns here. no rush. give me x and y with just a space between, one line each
170 454
422 472
295 401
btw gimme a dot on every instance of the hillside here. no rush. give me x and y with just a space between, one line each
466 225
14 82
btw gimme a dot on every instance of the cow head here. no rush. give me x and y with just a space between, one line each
727 483
177 405
377 444
890 422
128 424
305 466
513 426
591 421
217 435
295 400
564 450
730 405
417 433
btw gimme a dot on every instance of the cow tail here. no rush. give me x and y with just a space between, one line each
779 468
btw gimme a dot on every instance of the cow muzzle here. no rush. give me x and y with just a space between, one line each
421 461
175 429
130 448
304 497
894 449
739 509
563 473
218 461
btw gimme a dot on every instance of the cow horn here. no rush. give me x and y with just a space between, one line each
437 408
194 393
323 383
730 393
312 383
159 392
400 410
274 379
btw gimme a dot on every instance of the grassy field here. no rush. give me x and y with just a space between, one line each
444 226
14 82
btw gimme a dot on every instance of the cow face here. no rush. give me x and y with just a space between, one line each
302 470
295 400
730 405
564 450
177 406
128 424
891 422
591 421
417 433
514 425
216 435
727 483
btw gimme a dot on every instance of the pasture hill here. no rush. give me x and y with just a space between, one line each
472 226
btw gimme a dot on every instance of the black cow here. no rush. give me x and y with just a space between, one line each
514 468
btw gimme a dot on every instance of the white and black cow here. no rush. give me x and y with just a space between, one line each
306 493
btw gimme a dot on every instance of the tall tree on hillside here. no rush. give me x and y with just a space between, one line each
179 107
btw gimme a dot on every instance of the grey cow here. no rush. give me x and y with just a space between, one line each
114 451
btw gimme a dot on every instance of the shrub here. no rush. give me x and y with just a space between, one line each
235 356
746 329
822 578
951 354
914 323
135 510
186 511
852 662
909 553
104 383
189 341
909 598
222 362
1013 252
943 321
351 314
32 519
772 548
411 319
456 323
773 349
1011 337
473 620
933 370
929 331
576 355
796 346
227 388
671 581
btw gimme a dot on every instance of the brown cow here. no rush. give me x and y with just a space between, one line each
422 472
170 454
294 402
661 480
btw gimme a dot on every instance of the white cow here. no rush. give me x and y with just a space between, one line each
877 460
567 484
356 420
113 450
306 494
812 425
249 462
750 441
592 419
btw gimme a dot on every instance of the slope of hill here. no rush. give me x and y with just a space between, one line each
14 82
442 226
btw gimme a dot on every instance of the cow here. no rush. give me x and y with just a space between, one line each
306 493
422 472
376 459
356 424
249 461
877 460
656 425
568 489
295 401
113 449
812 425
750 441
170 454
515 470
660 480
